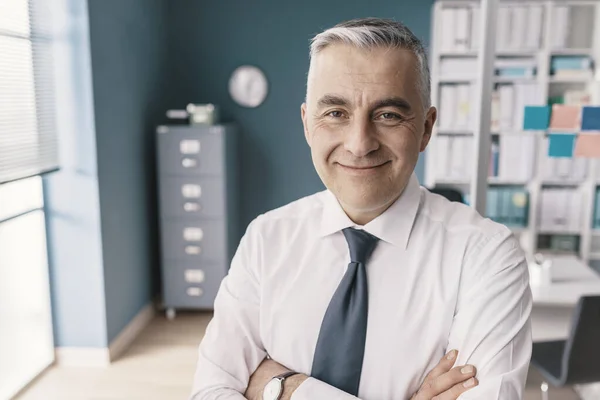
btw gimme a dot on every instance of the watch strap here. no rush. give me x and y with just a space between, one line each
285 375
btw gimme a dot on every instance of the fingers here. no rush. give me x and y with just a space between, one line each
443 366
458 389
457 380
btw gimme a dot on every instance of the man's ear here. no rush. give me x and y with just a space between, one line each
430 119
303 114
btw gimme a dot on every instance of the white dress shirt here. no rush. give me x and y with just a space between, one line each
441 277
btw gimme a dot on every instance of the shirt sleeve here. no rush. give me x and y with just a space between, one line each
492 326
312 389
232 349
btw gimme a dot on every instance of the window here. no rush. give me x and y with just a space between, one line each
28 148
26 343
28 140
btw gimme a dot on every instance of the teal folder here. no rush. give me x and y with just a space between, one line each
536 118
561 144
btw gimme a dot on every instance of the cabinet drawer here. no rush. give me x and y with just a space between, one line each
194 240
187 152
187 285
193 196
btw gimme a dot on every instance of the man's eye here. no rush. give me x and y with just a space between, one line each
389 116
335 114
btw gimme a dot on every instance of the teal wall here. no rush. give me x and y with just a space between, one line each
101 205
208 40
136 59
71 195
128 43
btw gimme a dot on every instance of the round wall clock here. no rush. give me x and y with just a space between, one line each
248 86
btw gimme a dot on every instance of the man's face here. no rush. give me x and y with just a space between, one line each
365 123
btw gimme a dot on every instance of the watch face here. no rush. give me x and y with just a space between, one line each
272 390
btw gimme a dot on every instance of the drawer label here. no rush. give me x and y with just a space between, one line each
189 146
191 191
193 234
194 275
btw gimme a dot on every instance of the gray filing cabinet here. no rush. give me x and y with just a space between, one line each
198 205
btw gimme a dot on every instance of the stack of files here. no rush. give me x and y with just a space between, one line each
555 169
456 105
454 157
466 68
571 66
577 97
458 68
455 29
561 210
519 27
572 97
508 206
475 27
508 105
560 27
515 68
516 158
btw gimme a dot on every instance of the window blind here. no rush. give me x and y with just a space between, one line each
28 137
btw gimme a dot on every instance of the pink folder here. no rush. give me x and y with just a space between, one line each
588 145
565 118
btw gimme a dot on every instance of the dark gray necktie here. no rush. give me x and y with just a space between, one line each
341 344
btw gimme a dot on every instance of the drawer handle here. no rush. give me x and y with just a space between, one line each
189 162
193 250
191 191
193 234
189 146
194 292
194 275
190 206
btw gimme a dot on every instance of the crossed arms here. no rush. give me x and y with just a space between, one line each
231 356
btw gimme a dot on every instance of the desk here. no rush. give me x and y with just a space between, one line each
553 304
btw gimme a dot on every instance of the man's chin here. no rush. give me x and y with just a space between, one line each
367 204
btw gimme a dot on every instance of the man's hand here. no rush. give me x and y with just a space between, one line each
264 373
445 382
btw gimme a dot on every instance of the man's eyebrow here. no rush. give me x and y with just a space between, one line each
332 100
396 102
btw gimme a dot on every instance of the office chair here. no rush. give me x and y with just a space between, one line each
575 360
449 193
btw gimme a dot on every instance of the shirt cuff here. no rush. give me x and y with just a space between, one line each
312 389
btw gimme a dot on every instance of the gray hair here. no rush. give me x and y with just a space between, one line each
367 33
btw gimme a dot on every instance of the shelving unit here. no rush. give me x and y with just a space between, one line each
583 39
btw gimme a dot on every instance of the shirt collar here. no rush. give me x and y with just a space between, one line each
393 226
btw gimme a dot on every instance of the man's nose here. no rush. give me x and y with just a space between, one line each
361 139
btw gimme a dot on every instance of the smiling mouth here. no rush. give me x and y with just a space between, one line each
363 168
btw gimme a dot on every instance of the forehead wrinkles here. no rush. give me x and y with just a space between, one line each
353 69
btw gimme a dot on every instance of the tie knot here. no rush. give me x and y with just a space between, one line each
361 244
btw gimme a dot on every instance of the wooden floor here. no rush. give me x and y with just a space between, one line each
160 366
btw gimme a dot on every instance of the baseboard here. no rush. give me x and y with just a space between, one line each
133 329
103 356
82 356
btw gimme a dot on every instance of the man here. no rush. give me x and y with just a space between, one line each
359 291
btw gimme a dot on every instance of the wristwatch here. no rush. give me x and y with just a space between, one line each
274 389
